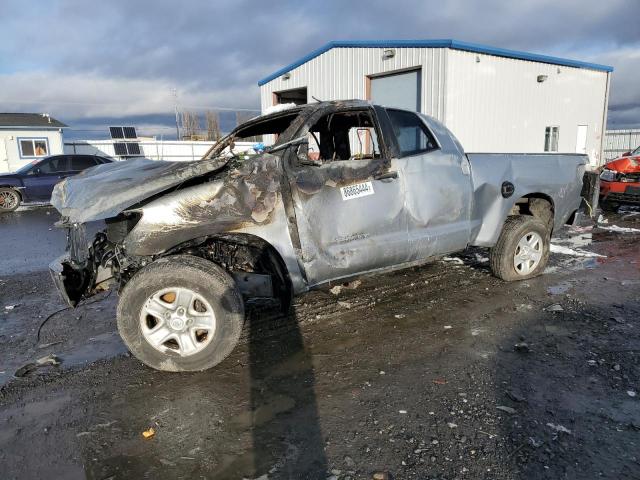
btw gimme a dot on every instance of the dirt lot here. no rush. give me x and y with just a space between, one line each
441 371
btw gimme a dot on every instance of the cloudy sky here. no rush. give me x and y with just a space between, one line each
93 63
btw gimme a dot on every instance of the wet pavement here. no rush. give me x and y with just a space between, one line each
441 371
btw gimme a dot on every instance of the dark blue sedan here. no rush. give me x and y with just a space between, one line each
34 183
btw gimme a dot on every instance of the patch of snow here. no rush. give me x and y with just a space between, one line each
576 253
481 259
559 428
455 260
615 228
281 107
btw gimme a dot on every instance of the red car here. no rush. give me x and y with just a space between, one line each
620 181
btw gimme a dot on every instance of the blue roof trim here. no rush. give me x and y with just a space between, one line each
441 43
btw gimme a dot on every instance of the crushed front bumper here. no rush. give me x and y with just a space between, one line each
72 282
620 192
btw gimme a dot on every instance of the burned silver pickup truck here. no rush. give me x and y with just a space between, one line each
345 188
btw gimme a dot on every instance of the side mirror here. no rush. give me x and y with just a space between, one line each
626 154
36 171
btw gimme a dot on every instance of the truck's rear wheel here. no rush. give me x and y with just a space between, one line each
9 200
522 250
181 313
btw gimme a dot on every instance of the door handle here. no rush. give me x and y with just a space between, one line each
386 176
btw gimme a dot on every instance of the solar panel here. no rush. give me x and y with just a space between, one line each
129 132
133 148
120 148
116 132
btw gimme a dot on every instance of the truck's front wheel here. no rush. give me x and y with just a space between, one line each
522 250
181 313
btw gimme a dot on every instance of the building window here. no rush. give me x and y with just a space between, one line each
33 147
551 135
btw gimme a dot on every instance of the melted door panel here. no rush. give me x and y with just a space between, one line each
348 221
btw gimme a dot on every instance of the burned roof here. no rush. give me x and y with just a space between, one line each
30 120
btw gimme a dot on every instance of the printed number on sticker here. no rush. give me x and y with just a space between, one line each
356 190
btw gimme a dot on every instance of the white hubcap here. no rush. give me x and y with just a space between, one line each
177 321
528 253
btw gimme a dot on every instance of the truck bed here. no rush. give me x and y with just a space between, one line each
558 176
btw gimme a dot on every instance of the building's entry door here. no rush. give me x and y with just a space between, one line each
581 139
399 90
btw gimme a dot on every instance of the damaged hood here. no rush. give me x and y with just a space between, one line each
106 190
625 165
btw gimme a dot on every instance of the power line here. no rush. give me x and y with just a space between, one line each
47 102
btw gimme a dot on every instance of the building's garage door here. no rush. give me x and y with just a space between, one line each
400 90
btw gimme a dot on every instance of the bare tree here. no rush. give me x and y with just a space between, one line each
190 124
213 126
242 117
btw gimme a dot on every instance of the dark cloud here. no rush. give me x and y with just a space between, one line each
215 52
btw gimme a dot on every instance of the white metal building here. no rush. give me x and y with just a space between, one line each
494 100
25 137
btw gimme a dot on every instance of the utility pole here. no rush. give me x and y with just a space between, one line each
174 92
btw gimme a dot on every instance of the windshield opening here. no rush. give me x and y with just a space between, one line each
254 138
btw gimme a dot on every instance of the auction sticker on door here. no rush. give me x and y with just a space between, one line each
357 190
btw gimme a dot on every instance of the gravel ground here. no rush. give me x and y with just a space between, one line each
441 371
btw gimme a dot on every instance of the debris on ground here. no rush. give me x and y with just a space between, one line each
149 433
535 443
506 409
515 396
440 381
631 393
11 307
27 368
381 476
555 308
559 428
522 347
345 286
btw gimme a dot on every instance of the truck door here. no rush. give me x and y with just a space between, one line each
437 180
347 196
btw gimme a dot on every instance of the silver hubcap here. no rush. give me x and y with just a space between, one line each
8 199
178 321
528 253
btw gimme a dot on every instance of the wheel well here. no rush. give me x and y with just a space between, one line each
12 187
242 253
538 205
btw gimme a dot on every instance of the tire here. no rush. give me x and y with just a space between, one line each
502 258
10 199
150 290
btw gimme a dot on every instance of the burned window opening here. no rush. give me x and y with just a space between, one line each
343 136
